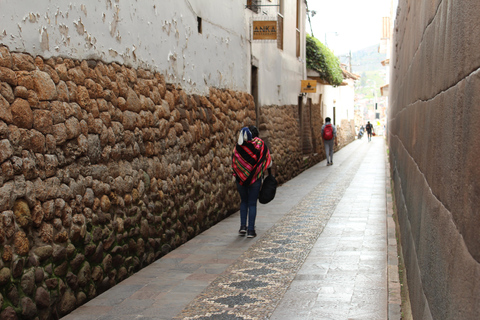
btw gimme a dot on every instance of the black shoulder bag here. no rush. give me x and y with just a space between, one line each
268 189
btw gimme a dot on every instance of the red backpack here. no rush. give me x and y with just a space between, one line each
328 132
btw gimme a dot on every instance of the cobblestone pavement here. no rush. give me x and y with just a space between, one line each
320 254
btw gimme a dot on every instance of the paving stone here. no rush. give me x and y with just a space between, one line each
320 253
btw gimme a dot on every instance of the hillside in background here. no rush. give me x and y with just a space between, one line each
367 59
367 64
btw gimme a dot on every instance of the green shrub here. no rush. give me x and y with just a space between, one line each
322 59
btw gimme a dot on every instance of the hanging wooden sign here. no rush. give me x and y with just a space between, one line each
309 86
265 30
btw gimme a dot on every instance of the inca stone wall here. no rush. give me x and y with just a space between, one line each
433 133
346 132
280 129
104 168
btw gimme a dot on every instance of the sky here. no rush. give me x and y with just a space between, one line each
348 24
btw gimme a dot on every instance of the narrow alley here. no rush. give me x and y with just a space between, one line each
320 253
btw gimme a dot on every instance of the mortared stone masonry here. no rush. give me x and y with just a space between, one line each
105 168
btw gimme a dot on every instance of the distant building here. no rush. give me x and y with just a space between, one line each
386 48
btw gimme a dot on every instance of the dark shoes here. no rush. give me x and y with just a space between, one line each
242 231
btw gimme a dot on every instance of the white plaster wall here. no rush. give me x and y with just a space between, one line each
346 101
330 96
342 98
280 71
157 35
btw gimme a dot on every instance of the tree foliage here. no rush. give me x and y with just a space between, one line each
322 59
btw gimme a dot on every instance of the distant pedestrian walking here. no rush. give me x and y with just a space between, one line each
360 132
329 133
369 128
250 159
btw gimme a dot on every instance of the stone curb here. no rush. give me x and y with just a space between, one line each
393 282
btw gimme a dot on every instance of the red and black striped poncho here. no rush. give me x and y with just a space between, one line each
245 157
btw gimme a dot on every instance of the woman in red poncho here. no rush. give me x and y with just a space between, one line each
250 159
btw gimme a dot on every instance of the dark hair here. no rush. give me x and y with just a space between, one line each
327 119
254 131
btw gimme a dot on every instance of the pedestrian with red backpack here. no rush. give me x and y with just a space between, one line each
329 132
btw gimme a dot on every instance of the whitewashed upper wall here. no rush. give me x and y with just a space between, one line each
280 71
157 35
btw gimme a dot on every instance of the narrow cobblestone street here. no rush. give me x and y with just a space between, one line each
320 253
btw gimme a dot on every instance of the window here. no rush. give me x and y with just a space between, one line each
254 5
280 31
281 8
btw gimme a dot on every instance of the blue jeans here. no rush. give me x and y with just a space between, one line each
248 205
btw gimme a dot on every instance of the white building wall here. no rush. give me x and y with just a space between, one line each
280 71
345 107
157 35
342 98
163 37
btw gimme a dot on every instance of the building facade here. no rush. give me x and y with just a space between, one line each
117 122
188 42
337 103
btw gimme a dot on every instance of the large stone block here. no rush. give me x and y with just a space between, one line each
8 75
6 59
44 85
434 117
43 121
22 114
76 75
6 150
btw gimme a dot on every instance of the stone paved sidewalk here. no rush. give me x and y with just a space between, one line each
321 253
345 274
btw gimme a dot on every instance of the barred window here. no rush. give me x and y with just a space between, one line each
254 5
